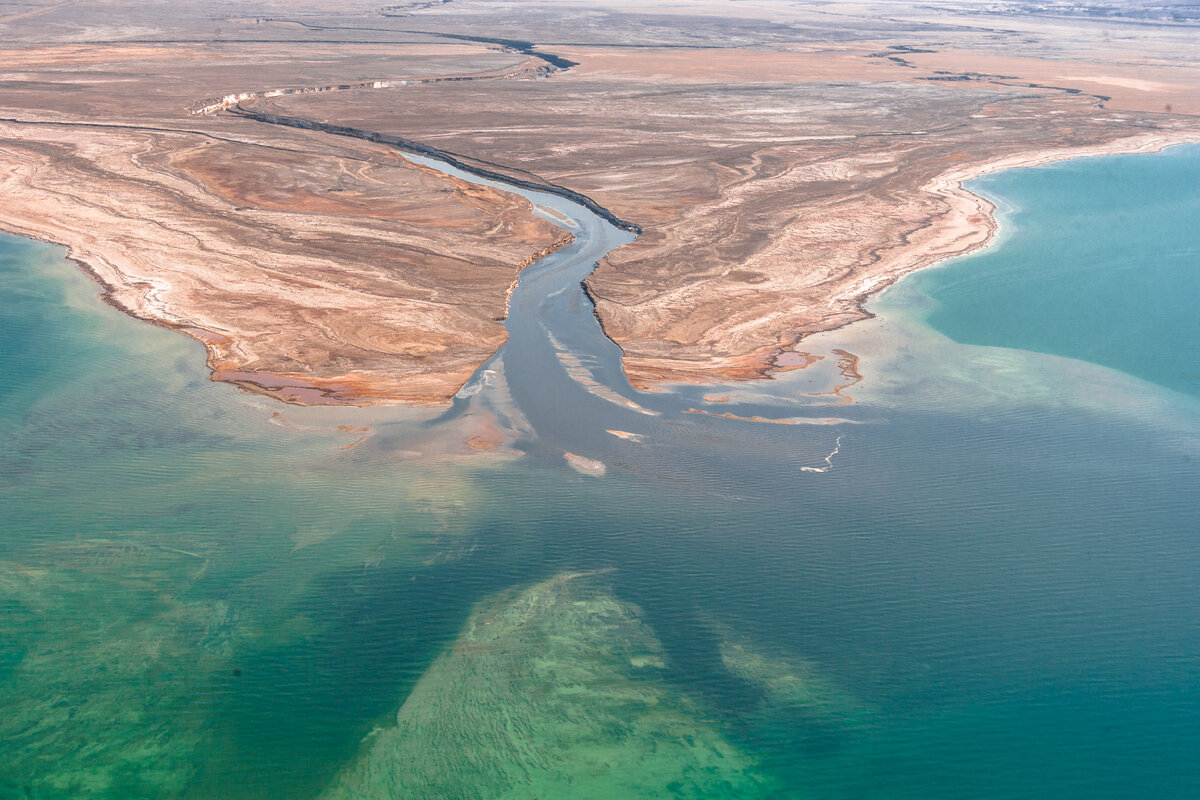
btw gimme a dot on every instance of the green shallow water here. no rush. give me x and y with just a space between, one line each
992 593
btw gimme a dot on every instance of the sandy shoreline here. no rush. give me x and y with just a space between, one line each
967 205
292 388
970 225
325 274
966 226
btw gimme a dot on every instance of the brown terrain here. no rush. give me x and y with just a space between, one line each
784 162
318 269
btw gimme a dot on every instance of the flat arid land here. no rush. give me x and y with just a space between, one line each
233 171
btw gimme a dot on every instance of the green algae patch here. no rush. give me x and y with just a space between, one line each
789 685
551 691
104 666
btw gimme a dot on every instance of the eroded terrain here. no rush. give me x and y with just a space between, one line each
783 164
313 268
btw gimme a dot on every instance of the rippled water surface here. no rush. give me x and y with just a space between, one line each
991 592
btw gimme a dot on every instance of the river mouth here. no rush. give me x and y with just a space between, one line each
975 580
912 568
558 384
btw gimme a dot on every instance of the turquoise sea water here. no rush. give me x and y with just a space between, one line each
990 594
1117 285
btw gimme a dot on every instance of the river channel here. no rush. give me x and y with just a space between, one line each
559 379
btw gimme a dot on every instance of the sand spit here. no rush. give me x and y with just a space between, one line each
585 465
967 225
768 420
317 274
731 415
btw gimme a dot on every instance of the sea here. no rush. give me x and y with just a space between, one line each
957 557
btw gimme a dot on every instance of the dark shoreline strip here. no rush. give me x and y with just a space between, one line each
452 159
520 45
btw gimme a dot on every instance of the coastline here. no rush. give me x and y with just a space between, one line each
348 390
967 226
150 279
291 388
972 218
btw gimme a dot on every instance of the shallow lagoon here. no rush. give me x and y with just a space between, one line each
991 594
